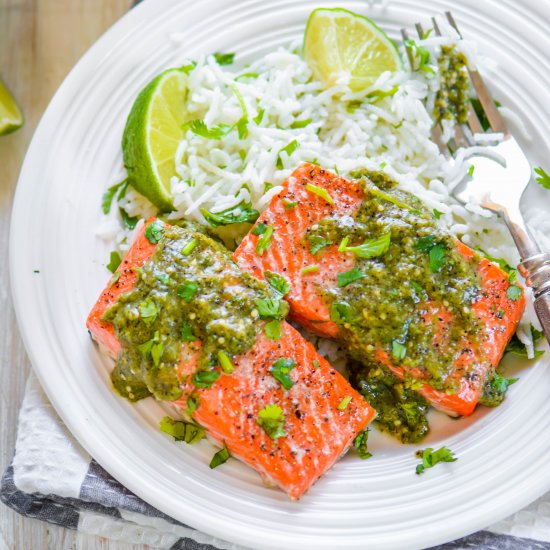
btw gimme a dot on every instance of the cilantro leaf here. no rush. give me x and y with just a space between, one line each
205 378
437 214
114 261
129 222
199 128
154 231
220 457
272 420
398 350
288 149
272 309
360 445
277 282
188 290
514 292
182 431
320 192
350 276
517 347
264 242
148 311
430 458
300 123
280 371
371 248
107 198
259 229
224 58
341 313
273 330
437 257
425 244
187 332
241 213
542 178
317 243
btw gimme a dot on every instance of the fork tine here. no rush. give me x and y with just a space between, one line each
419 30
436 26
473 121
408 49
495 119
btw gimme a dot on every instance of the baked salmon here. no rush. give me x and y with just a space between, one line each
290 431
316 265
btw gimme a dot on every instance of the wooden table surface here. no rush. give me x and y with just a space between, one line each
40 40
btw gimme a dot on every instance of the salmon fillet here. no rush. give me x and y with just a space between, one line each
289 254
318 429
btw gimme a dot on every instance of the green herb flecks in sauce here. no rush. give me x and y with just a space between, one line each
208 299
400 309
452 98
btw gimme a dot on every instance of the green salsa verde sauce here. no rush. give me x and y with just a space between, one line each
452 100
386 304
190 290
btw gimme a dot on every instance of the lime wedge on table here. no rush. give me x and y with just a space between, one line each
340 45
152 134
11 116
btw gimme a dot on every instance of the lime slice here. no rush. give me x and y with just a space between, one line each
152 135
341 46
11 116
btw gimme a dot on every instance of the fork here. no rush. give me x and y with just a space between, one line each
497 185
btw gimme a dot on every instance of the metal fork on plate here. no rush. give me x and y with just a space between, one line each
497 184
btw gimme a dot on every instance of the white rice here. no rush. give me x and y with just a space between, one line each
390 133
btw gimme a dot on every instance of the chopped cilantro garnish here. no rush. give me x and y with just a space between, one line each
182 431
300 123
154 231
437 214
421 57
192 404
317 243
273 330
430 458
288 149
277 282
514 292
148 311
289 204
199 128
220 457
542 178
205 378
258 118
108 196
272 420
243 212
129 222
264 242
344 403
398 350
114 261
350 276
188 290
316 364
189 247
272 309
242 124
310 269
114 279
224 58
471 170
246 75
225 362
187 332
259 229
500 383
320 192
189 67
280 371
156 353
517 347
360 445
369 249
437 257
146 348
340 313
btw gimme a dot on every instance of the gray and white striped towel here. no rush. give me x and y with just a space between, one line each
53 479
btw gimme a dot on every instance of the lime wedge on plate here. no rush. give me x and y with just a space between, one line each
341 46
152 135
11 117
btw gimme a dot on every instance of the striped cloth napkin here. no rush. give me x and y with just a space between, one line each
53 479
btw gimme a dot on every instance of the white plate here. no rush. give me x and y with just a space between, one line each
75 153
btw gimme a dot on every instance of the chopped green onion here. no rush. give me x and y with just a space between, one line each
220 457
189 247
300 123
320 192
225 362
224 58
188 290
182 431
205 378
310 269
264 242
344 403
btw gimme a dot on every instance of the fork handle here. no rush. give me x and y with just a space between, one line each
535 265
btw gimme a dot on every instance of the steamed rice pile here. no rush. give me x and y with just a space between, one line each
291 118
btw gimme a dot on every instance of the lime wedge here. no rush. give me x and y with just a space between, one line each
341 46
11 116
152 135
